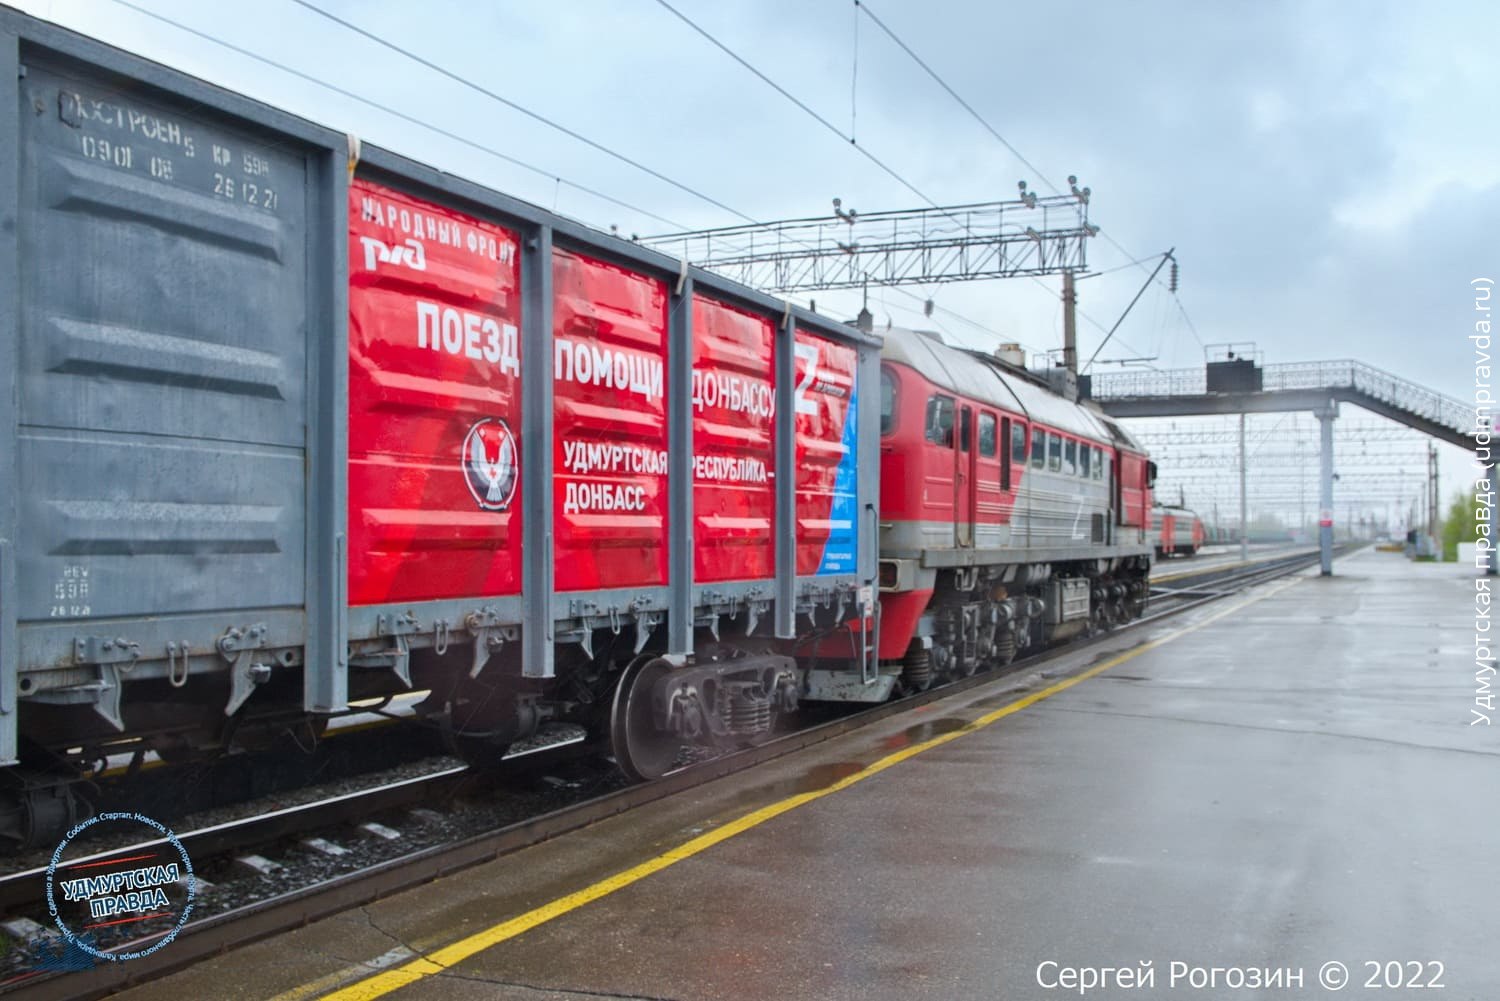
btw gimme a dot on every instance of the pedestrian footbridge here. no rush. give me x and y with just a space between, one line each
1240 386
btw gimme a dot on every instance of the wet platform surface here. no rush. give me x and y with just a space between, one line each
1276 782
1219 557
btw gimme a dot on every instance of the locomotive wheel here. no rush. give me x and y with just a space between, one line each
1005 648
916 670
641 750
1099 622
39 811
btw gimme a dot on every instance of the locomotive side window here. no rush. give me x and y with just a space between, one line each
887 401
987 435
1018 443
1038 447
1070 457
940 421
1098 464
965 429
1083 461
1054 453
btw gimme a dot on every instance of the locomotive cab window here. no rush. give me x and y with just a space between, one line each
1038 447
1098 464
1083 461
1054 453
987 435
940 421
1018 443
887 401
965 429
1070 457
1150 474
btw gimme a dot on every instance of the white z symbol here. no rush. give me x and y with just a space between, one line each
809 354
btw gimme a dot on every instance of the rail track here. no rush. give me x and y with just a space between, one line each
573 803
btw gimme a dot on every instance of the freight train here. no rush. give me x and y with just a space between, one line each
291 425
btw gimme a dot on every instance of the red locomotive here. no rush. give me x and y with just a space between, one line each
1010 516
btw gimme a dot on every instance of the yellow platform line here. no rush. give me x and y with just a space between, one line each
442 959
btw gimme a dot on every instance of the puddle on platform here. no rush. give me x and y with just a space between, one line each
815 779
822 776
923 731
1004 698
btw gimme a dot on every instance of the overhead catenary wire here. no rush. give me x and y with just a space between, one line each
456 137
860 6
393 112
537 116
835 130
519 108
865 9
864 151
552 175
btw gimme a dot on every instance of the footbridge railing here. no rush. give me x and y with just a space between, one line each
1382 392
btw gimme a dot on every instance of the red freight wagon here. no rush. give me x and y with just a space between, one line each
305 423
479 505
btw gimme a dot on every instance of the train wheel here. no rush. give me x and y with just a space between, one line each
1005 647
916 670
641 750
39 810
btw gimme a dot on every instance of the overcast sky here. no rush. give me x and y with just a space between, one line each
1329 174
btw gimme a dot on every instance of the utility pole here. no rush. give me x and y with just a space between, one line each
1432 493
1244 518
1070 323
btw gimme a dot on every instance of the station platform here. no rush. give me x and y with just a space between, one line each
1277 782
1218 558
